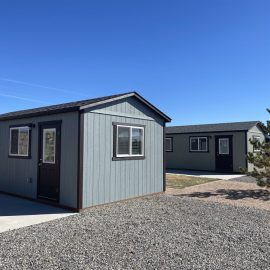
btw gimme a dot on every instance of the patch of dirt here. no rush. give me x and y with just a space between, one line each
228 192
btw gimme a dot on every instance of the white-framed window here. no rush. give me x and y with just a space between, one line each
169 144
224 146
198 144
129 141
256 139
19 141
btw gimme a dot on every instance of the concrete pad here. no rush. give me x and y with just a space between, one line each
17 213
214 175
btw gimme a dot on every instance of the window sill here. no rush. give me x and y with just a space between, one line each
128 158
20 157
198 151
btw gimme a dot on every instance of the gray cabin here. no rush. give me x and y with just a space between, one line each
212 147
80 154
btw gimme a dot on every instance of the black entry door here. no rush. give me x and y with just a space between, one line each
224 155
49 161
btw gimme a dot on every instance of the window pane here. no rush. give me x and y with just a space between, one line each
137 141
14 141
224 147
257 140
203 144
194 144
49 140
23 141
123 141
168 144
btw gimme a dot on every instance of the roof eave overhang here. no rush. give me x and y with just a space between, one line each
29 115
260 126
200 132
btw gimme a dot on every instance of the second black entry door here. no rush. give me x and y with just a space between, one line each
224 155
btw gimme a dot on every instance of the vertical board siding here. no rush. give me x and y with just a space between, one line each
14 172
106 180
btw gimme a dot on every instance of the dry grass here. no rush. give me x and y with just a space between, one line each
182 181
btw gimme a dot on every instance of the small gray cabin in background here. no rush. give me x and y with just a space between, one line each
211 147
85 153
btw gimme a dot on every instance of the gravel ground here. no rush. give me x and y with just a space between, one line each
244 179
155 232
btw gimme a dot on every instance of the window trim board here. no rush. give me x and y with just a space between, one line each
18 127
128 158
199 151
127 124
115 142
130 145
171 150
30 125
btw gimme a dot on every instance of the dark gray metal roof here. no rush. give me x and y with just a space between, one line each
75 106
65 107
236 126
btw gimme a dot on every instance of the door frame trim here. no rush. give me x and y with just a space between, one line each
219 137
40 124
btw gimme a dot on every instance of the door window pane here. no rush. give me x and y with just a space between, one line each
123 140
49 143
224 148
137 141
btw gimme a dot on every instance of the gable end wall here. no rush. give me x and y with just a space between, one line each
105 180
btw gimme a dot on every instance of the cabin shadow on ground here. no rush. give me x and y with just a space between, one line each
13 206
232 194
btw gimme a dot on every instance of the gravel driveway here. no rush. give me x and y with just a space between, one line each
155 232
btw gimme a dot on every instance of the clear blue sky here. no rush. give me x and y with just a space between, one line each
198 61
